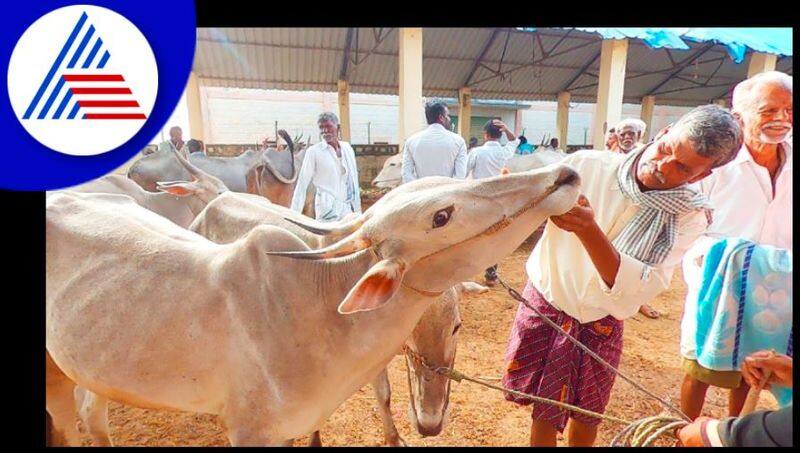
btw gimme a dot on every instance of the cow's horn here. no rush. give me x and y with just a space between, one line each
330 228
345 247
194 171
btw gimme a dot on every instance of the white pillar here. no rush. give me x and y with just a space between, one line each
410 80
761 62
344 109
608 111
562 119
464 113
648 104
196 129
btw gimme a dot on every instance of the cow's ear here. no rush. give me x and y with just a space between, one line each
375 287
178 188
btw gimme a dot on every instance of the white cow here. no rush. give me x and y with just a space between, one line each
179 201
141 311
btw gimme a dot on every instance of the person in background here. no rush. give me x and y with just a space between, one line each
759 429
473 142
195 146
175 141
488 160
611 141
435 150
554 145
629 131
752 199
331 166
524 147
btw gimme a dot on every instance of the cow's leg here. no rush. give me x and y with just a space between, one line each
315 440
61 406
383 393
93 411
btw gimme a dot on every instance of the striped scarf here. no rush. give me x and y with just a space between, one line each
650 235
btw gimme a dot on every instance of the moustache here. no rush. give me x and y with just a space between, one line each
653 170
784 124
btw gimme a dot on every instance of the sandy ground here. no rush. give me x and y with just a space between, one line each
479 416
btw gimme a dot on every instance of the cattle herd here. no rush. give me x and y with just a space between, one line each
190 285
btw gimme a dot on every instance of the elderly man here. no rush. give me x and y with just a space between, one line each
435 151
331 166
488 160
629 131
752 199
175 141
596 264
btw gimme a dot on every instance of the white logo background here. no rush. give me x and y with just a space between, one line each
37 49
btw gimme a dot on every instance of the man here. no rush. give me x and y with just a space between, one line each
331 166
473 142
435 151
759 429
488 160
554 145
612 144
195 146
629 131
596 264
175 141
752 198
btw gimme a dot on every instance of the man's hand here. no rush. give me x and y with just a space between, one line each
690 435
759 362
501 125
578 220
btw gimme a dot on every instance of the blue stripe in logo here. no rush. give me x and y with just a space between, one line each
78 52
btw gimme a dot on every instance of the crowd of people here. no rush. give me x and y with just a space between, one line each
711 193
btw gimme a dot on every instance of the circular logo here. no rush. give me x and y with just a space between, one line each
82 80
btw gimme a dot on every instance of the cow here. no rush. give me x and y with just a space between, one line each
141 311
178 201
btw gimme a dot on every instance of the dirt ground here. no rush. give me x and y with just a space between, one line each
479 416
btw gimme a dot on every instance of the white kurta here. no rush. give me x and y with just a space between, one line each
434 151
487 160
562 271
335 179
745 207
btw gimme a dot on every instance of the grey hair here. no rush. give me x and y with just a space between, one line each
742 94
636 124
714 132
328 116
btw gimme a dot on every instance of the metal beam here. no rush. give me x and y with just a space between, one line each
694 88
580 73
348 40
479 59
683 64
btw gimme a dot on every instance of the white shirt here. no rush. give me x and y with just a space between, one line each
562 271
335 179
434 151
745 207
487 160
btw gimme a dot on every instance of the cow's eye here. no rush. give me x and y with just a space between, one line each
442 216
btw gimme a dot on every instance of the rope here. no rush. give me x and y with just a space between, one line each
514 294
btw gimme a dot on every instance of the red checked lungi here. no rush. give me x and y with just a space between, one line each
541 361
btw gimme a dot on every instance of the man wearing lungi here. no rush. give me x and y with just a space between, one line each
596 264
752 200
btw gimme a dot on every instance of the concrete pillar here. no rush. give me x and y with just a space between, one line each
562 119
761 62
518 122
722 102
608 110
196 129
648 104
344 109
464 113
410 80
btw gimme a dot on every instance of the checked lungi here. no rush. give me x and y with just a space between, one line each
541 361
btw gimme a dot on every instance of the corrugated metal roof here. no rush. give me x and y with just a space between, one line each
517 65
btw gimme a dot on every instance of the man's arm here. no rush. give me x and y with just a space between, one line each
407 168
303 180
460 170
759 429
471 162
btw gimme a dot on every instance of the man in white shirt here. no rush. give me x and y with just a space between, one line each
596 264
752 199
175 141
331 166
435 151
629 131
488 160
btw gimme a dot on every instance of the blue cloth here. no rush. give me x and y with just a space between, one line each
744 305
525 148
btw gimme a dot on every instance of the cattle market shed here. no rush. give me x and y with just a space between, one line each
607 66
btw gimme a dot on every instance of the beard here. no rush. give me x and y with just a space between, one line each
766 136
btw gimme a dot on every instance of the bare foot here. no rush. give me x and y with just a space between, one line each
649 311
